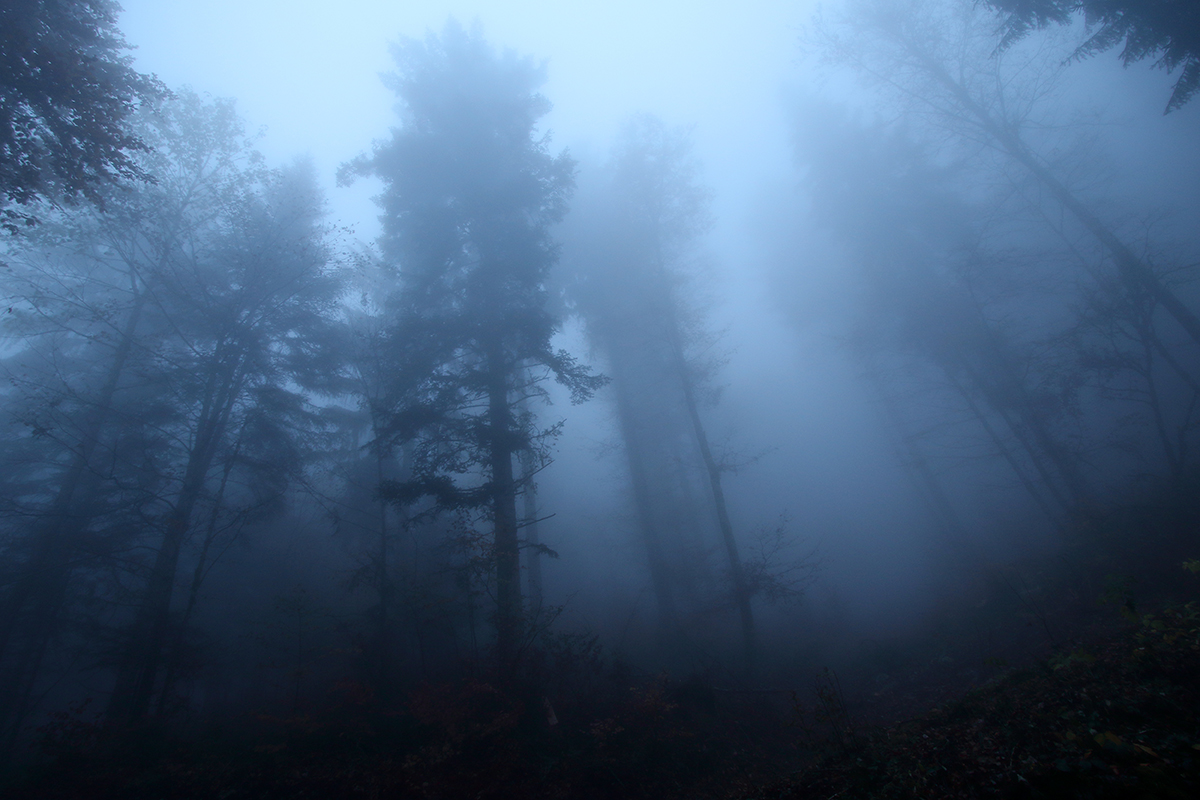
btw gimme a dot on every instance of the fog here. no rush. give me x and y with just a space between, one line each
307 74
779 338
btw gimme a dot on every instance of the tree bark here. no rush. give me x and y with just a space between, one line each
660 573
46 580
138 670
504 511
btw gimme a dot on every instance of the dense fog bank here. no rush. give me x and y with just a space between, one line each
798 359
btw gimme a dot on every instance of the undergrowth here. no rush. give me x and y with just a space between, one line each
1114 719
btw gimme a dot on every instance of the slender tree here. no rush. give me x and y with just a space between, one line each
249 305
928 302
629 291
95 281
941 56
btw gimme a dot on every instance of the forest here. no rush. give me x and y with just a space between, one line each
829 429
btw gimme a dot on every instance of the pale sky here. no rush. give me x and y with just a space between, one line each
308 72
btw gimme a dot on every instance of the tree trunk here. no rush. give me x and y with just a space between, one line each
954 532
1002 448
741 591
660 573
1043 447
138 670
198 574
385 589
504 511
1133 269
533 556
47 577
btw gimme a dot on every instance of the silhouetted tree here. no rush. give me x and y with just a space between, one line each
1168 30
252 309
470 195
97 285
66 92
627 286
940 55
1120 346
929 292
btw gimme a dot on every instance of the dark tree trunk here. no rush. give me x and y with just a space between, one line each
1005 452
533 556
45 581
635 443
504 511
954 533
384 681
138 670
175 655
1132 269
741 591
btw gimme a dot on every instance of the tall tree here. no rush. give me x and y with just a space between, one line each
629 289
940 55
368 463
471 192
932 298
66 91
251 305
90 283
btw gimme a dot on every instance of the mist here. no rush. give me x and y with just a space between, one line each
492 382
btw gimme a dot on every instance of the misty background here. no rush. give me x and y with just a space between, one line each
306 76
913 365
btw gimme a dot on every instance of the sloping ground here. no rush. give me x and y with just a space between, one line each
659 740
1116 719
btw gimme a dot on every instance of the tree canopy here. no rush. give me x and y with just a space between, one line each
1168 30
471 191
66 90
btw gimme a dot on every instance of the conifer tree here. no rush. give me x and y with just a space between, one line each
471 191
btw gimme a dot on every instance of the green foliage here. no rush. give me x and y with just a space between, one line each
66 91
1118 591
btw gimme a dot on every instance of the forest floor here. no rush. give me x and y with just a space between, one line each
1111 712
1116 716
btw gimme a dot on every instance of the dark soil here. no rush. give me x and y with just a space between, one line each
1119 718
1115 716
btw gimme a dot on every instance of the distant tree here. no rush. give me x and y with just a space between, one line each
940 56
66 92
364 462
628 285
89 323
73 335
252 307
1119 344
165 347
933 296
1168 30
470 194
